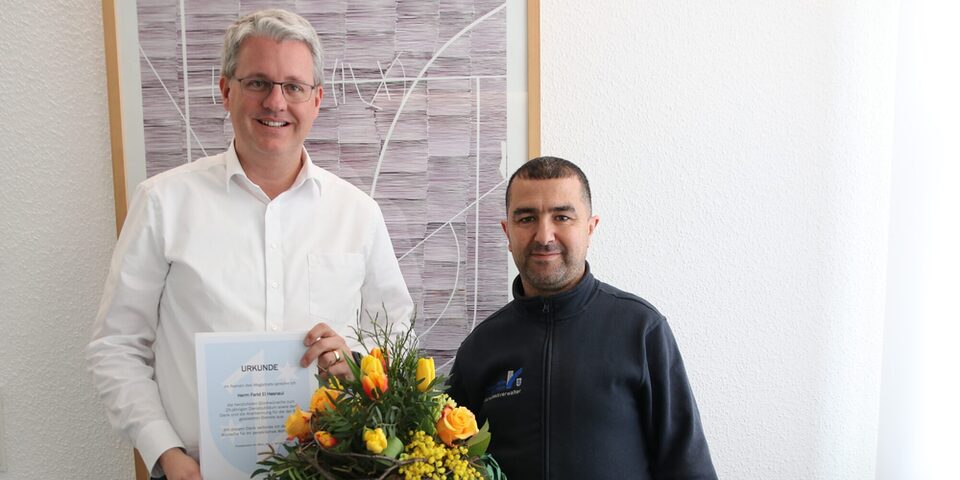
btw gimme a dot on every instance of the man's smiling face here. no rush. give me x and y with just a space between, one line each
548 230
268 127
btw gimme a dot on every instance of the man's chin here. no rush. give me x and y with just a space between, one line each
276 149
547 283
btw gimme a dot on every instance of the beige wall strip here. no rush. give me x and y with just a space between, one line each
112 55
533 79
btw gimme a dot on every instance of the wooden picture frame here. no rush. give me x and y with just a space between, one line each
127 136
118 93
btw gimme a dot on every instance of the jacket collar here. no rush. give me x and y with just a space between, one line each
561 305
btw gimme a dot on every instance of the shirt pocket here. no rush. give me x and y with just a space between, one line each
335 281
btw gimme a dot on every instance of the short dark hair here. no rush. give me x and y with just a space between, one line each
549 168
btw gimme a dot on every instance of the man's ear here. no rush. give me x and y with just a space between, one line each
316 105
503 225
592 225
225 92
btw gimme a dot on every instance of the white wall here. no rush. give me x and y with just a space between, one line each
739 153
58 231
921 389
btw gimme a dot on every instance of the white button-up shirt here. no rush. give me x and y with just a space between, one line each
203 249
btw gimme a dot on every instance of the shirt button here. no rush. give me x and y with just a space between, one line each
273 246
274 328
275 285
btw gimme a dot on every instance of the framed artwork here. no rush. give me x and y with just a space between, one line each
428 107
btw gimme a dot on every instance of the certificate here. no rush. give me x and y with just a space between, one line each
247 384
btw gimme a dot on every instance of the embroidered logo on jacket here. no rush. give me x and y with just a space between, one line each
509 386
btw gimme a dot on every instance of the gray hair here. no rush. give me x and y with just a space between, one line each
275 24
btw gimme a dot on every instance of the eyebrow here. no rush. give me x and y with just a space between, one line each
558 208
268 78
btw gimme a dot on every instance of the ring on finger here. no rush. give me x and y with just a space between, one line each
336 356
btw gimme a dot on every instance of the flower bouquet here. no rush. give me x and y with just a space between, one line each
391 420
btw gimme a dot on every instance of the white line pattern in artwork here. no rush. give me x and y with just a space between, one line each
476 217
186 83
172 100
406 96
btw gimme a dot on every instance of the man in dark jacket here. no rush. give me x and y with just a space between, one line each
577 378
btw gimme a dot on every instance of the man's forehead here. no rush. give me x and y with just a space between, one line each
547 194
259 52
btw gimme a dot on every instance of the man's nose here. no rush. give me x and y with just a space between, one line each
545 232
275 101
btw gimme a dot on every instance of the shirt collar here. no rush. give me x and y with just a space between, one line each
308 171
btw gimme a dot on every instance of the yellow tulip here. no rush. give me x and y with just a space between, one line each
381 355
371 365
425 373
375 439
323 399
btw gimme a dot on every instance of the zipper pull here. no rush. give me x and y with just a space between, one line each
546 307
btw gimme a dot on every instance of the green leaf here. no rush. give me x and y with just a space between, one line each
477 444
493 471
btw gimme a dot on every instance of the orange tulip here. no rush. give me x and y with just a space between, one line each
298 425
325 439
374 385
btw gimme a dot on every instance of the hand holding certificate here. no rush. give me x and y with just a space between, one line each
247 385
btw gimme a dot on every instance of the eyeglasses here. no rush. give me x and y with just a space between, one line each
294 92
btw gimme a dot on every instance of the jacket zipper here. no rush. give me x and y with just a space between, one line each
547 353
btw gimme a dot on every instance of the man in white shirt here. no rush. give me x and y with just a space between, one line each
257 238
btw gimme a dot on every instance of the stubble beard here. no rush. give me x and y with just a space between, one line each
556 278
